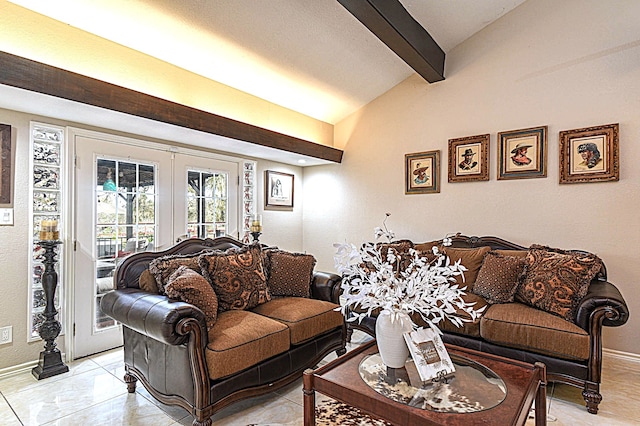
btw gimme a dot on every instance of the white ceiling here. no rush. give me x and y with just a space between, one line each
311 56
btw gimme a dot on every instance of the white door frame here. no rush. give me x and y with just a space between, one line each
70 210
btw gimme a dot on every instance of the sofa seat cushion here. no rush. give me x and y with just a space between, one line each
241 339
305 318
468 328
524 327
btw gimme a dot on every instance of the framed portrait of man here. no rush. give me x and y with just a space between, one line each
468 159
522 154
422 172
589 154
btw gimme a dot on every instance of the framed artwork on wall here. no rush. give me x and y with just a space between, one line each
422 172
469 159
6 174
522 153
589 154
278 189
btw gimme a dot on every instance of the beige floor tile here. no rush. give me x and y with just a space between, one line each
7 416
109 357
52 400
25 380
124 410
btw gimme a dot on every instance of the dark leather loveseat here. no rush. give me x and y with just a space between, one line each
571 350
168 347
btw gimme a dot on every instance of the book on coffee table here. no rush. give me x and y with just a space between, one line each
429 354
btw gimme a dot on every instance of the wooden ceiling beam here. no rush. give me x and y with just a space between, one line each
37 77
396 28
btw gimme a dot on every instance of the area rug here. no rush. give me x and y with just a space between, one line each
333 413
330 413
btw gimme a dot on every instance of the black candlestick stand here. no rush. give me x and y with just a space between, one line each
50 363
256 236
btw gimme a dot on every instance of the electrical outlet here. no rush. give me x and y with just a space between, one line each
6 334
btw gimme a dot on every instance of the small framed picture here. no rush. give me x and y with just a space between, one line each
422 172
589 154
278 189
6 174
522 154
429 354
468 159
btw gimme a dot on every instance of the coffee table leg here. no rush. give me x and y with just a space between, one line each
541 396
309 398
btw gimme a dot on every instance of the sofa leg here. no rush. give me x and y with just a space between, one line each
341 351
131 382
207 422
592 397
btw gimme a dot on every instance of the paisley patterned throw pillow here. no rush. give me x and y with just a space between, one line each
237 276
556 280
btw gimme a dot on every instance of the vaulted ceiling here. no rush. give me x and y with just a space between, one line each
311 56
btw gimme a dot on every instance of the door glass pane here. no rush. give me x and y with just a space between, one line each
106 207
206 203
125 223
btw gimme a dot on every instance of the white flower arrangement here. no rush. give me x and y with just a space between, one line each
373 281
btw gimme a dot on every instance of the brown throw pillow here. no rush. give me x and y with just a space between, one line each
164 266
147 282
290 274
470 258
498 277
189 286
237 276
556 282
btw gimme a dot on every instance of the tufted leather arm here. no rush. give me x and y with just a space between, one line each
602 295
326 286
153 315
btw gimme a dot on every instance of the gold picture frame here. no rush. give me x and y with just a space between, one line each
469 159
522 154
6 171
422 172
590 154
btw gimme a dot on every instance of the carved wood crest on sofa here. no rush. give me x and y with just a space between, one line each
566 338
184 357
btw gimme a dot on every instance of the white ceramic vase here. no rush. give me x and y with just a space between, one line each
389 337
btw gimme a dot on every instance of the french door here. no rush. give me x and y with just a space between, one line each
131 196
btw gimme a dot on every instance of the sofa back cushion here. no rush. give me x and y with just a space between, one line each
556 280
470 258
189 286
237 276
289 274
147 282
498 277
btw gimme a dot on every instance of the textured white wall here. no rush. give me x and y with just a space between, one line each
567 65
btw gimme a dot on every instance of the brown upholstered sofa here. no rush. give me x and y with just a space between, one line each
520 325
184 357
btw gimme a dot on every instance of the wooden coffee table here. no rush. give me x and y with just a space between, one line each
520 383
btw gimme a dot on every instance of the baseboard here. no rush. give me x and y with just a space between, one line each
627 356
17 369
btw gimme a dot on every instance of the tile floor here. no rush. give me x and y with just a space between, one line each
93 393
